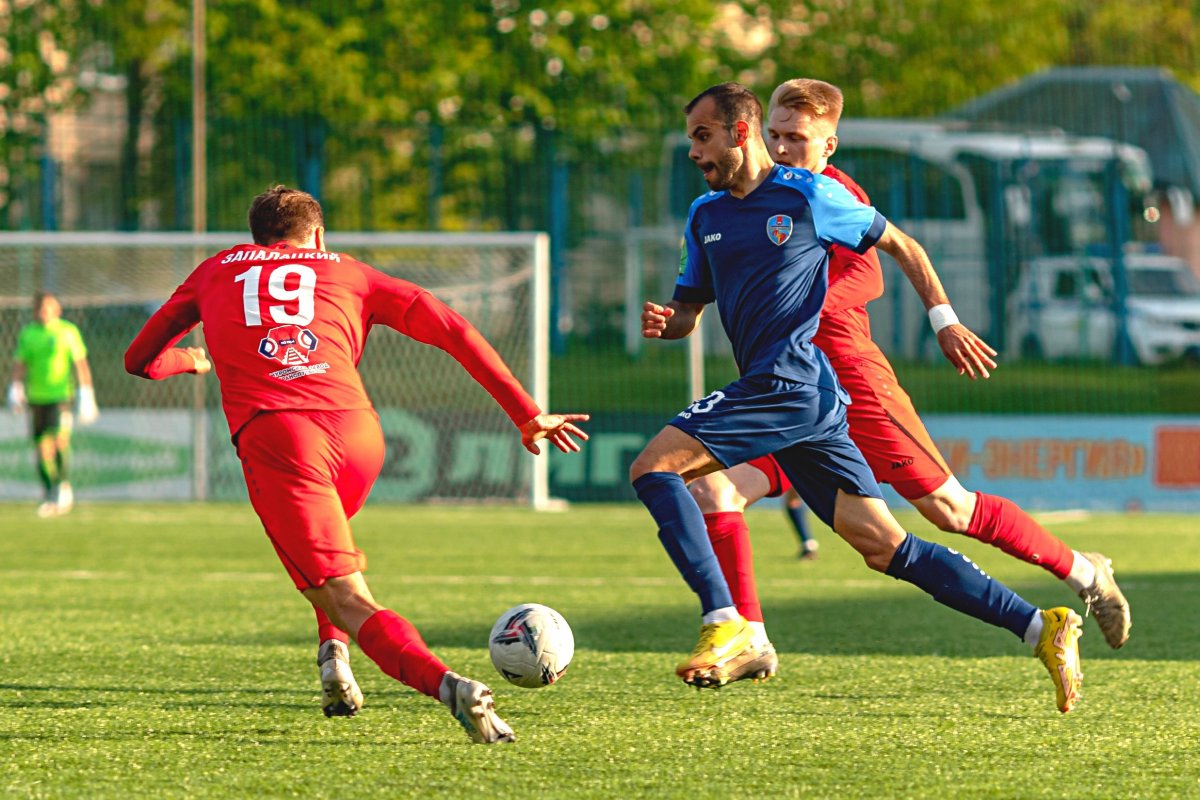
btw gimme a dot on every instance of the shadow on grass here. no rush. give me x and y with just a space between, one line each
902 622
905 622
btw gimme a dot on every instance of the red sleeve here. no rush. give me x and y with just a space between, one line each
854 279
153 354
418 314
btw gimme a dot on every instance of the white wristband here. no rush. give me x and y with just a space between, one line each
942 316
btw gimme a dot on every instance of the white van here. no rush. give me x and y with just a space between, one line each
1064 308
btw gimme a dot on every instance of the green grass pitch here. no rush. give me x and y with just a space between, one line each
160 651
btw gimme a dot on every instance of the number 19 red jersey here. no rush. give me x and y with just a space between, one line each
285 329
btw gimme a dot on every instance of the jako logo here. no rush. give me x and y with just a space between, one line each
902 464
712 237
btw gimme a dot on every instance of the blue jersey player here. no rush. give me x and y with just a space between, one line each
757 245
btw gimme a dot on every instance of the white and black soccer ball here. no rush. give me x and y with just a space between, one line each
531 645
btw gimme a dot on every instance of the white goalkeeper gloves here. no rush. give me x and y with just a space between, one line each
88 413
16 397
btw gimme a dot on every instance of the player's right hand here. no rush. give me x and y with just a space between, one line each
966 351
557 428
654 319
16 397
199 359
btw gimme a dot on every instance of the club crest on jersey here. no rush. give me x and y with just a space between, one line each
290 345
779 228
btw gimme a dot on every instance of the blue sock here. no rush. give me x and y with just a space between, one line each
682 532
954 580
800 523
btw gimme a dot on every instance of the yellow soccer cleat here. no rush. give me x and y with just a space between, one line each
723 646
1058 649
1107 603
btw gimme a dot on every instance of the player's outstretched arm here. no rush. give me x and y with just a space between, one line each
555 428
675 320
969 354
152 353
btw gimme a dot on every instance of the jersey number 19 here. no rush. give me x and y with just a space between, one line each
302 296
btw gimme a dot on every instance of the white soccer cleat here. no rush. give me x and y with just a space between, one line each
340 695
472 705
1106 602
47 510
65 498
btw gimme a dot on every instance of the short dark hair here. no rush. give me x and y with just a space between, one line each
734 101
281 214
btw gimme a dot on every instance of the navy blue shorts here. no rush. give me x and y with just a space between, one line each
804 426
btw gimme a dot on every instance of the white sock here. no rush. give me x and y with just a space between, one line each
726 614
1034 631
1083 573
760 632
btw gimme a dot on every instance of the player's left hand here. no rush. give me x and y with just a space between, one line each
200 363
966 351
88 411
556 428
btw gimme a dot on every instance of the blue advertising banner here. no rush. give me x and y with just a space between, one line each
1040 462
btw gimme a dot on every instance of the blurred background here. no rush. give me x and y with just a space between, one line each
1045 152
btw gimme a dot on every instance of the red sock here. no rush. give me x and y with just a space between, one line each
326 630
730 539
394 644
1003 524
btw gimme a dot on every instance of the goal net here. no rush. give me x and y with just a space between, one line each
447 440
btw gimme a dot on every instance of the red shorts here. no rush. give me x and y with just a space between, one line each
308 472
886 428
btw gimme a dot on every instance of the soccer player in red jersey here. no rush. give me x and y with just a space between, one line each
285 322
802 132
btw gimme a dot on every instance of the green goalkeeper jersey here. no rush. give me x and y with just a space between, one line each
49 353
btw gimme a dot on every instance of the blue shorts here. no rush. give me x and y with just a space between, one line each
804 426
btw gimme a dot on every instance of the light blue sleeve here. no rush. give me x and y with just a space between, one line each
839 216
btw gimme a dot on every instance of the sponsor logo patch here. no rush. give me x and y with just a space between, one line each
290 345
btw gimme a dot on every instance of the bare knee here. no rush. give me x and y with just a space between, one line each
867 526
716 494
346 599
950 508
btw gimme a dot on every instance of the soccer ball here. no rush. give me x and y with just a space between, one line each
531 645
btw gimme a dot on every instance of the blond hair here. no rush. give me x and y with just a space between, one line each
822 100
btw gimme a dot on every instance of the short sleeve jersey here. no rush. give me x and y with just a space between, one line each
49 353
763 258
285 329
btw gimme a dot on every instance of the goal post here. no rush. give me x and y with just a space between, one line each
447 440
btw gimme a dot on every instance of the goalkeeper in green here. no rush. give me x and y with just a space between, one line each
49 359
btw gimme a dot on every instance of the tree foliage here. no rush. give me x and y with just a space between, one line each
409 113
